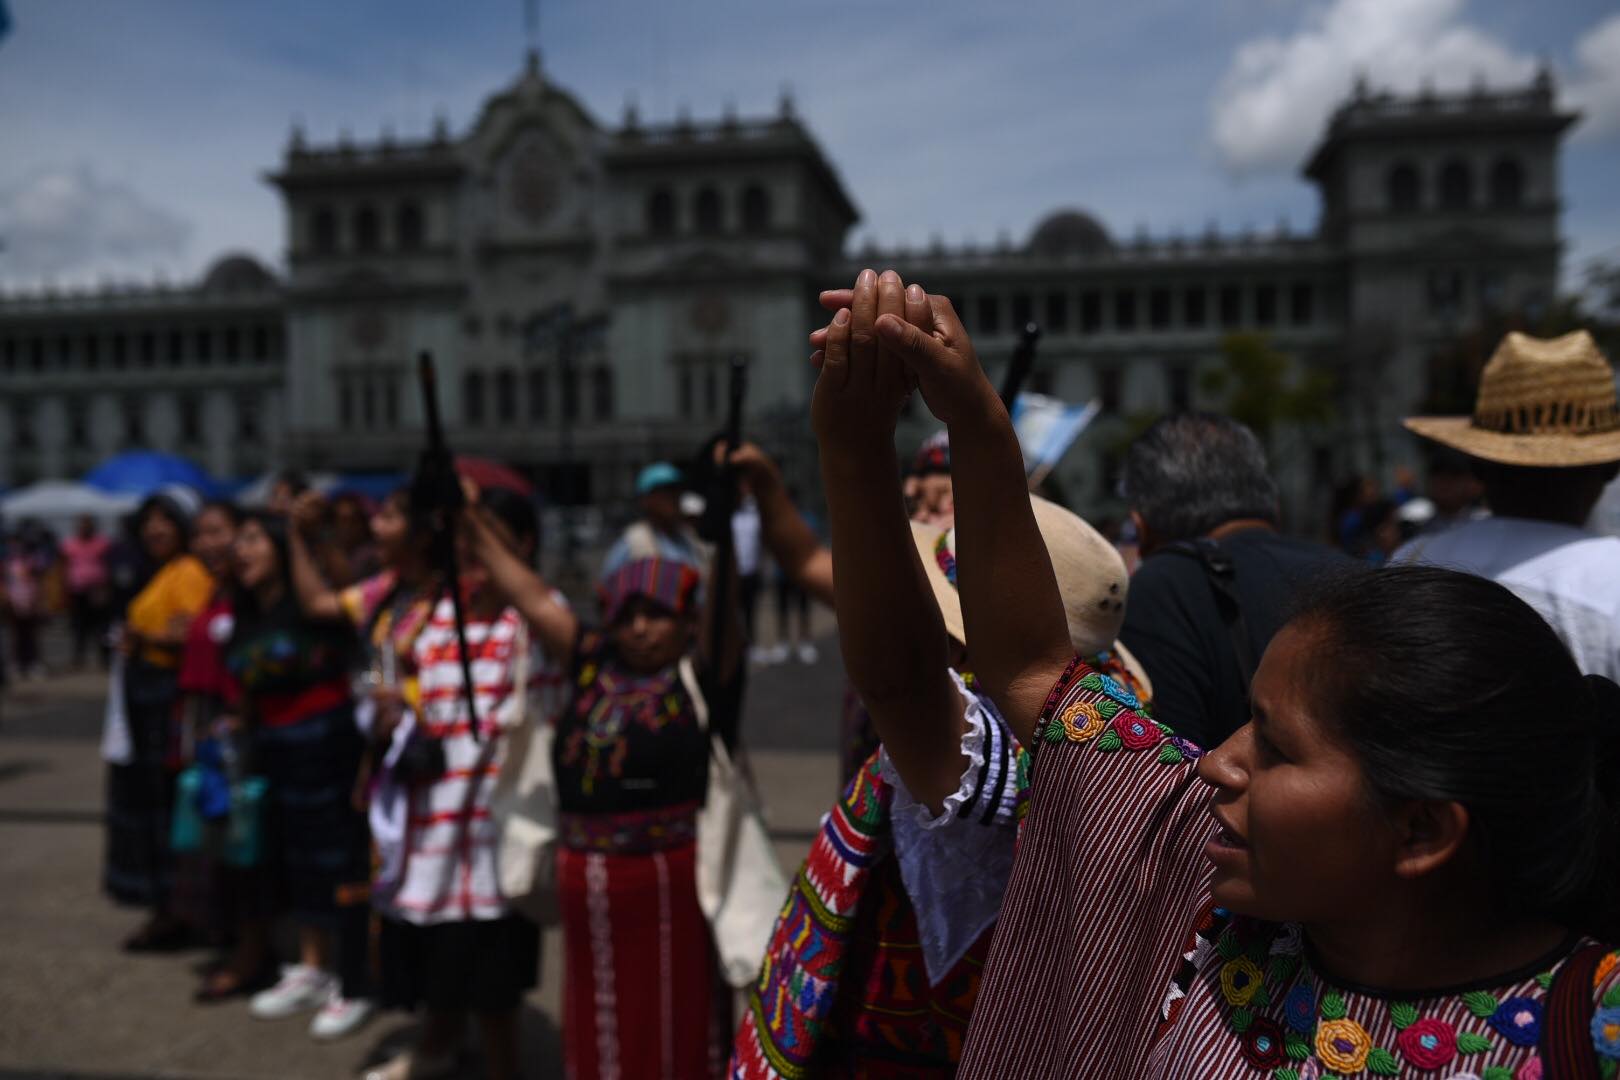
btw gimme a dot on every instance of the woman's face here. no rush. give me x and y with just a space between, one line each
160 536
349 523
1302 839
649 637
936 500
212 540
256 561
389 528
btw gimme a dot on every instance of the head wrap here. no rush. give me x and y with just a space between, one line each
664 581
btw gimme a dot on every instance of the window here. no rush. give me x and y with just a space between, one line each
989 320
408 226
706 211
64 351
323 231
472 397
1265 305
261 343
391 401
148 350
506 399
22 427
538 387
233 345
36 353
1405 189
1110 384
92 352
1159 309
134 424
1125 310
1231 304
661 213
1456 186
1023 311
368 402
711 394
190 421
683 389
177 348
756 209
78 425
1057 312
120 351
570 393
1507 184
1193 304
1180 380
1091 311
204 349
1445 292
346 402
602 392
367 230
1301 301
9 355
247 420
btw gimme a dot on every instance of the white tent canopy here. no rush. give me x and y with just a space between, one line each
59 504
257 494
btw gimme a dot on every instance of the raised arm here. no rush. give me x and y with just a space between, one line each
889 626
788 537
1010 601
554 624
316 598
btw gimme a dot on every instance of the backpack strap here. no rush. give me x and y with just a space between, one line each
1222 577
1566 1029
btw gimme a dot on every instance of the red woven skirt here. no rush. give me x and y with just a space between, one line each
639 983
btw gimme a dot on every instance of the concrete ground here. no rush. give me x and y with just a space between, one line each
72 1005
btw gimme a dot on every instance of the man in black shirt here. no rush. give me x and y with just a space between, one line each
1217 577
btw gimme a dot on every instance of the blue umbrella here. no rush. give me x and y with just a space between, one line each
141 472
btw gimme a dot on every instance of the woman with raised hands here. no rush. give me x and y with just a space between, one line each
1401 866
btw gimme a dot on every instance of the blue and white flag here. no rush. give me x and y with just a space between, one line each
1047 427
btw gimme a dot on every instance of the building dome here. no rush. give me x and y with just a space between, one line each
238 273
1069 232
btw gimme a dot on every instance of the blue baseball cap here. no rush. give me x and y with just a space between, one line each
657 475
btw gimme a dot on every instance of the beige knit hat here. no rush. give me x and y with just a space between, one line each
1549 404
1090 574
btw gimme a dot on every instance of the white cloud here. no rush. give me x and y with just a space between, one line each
70 222
1277 93
1595 88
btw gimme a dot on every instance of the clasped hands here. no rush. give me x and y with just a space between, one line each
885 340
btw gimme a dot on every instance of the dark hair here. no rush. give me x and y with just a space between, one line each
220 506
294 479
1191 472
514 511
1449 688
167 506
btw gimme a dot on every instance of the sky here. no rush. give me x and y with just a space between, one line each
134 136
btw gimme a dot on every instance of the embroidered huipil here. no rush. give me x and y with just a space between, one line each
1110 960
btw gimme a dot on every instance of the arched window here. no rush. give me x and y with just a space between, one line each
323 231
1507 183
408 226
539 385
367 230
472 397
706 211
1405 189
602 392
661 213
506 398
1456 186
756 209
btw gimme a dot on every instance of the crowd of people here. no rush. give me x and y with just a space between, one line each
1259 806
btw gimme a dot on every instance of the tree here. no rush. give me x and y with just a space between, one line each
1263 390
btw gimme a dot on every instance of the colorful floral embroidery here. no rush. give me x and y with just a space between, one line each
1606 1031
1428 1043
1082 721
1343 1045
1263 1044
1518 1020
1604 966
1136 733
1530 1070
1299 1009
1240 980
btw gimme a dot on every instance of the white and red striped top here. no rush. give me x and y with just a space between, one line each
1109 961
450 838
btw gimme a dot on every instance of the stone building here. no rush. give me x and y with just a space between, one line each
583 287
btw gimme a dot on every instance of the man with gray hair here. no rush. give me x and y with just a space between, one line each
1217 576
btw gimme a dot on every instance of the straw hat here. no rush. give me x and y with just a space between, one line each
1549 404
1091 576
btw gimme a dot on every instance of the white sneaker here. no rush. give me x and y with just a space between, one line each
778 653
341 1016
808 653
300 989
759 655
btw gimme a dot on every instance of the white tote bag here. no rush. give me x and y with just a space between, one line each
524 802
741 887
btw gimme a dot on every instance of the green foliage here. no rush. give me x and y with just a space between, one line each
1262 389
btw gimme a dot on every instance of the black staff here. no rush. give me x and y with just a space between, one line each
1023 359
723 503
436 493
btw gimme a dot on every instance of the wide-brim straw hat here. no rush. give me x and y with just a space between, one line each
1091 577
1542 403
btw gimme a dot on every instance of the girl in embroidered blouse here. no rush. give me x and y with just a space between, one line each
641 992
1398 866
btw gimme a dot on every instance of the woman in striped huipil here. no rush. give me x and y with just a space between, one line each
1402 865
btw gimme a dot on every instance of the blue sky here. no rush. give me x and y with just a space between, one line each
133 136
